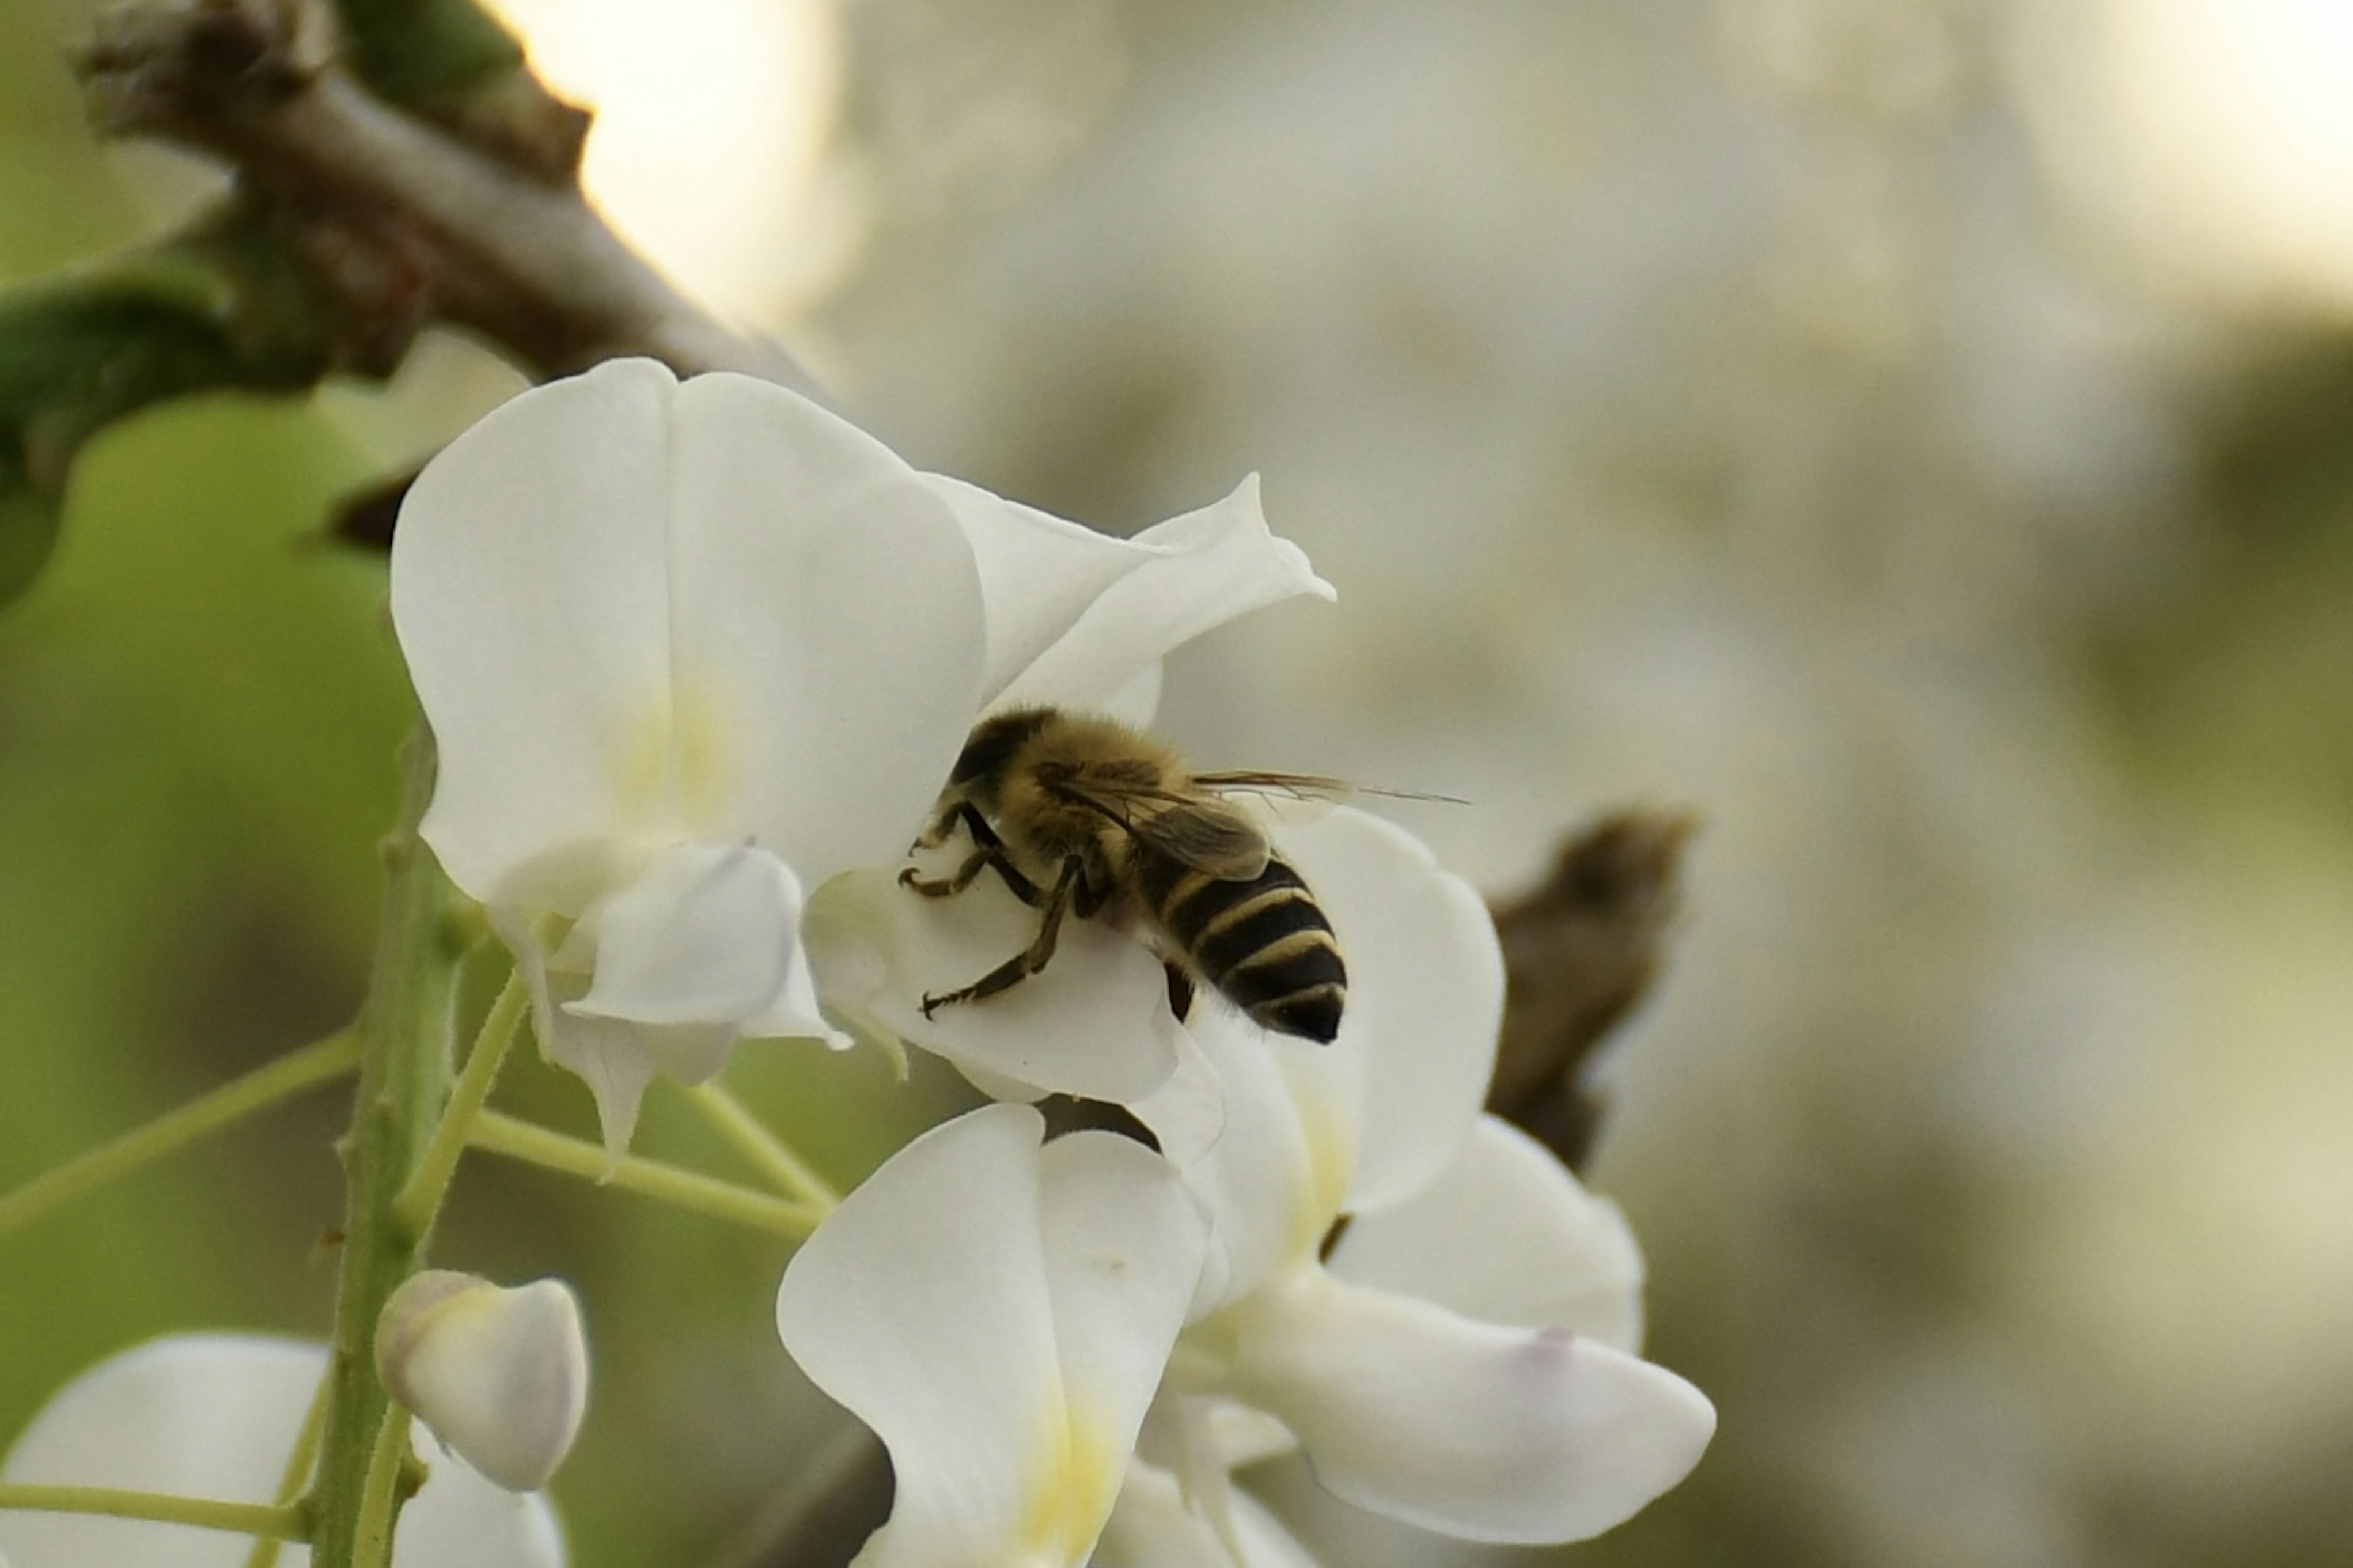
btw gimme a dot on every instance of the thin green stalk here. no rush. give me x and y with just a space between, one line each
281 1521
405 1080
498 1134
420 1200
175 1130
757 1142
267 1548
380 1493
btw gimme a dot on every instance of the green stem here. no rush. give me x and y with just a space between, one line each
420 1200
280 1522
403 1082
535 1145
380 1493
266 1549
175 1130
753 1138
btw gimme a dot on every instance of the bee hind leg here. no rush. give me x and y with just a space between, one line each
1030 960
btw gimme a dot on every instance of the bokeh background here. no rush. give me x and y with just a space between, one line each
1913 433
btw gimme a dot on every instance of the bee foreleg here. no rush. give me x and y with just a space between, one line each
1028 962
943 821
980 859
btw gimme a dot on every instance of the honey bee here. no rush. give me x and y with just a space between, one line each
1085 815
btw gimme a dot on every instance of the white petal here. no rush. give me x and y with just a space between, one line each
827 634
998 1314
1187 1113
705 936
611 1056
499 1374
1094 1022
1425 995
1037 572
216 1416
1480 1431
1258 1182
530 593
1152 1528
1507 1236
1219 563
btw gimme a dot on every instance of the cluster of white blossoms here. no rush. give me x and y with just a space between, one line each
698 659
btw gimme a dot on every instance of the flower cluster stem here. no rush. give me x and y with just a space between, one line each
176 1128
498 1134
420 1199
771 1155
380 1492
404 1081
277 1521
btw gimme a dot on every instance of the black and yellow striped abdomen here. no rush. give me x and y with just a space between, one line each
1260 942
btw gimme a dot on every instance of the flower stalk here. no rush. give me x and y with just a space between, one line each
758 1144
517 1140
420 1199
405 1084
275 1521
181 1126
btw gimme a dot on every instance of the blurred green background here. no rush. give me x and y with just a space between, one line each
1913 432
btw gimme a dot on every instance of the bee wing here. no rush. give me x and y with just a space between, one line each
1196 830
1206 835
1299 798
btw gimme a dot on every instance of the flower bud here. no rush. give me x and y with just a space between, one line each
500 1375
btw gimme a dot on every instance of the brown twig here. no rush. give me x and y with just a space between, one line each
405 223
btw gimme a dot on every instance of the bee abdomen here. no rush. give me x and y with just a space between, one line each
1263 943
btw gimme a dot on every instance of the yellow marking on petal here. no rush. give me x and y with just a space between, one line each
676 760
703 753
1331 1160
642 756
1072 1483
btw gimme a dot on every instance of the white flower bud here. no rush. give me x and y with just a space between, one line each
500 1375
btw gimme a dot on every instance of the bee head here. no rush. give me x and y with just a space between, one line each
994 740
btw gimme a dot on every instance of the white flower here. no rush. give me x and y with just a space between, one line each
216 1416
999 1313
691 650
500 1375
1466 1363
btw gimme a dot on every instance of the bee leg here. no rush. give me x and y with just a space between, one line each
979 860
942 825
1180 991
1023 965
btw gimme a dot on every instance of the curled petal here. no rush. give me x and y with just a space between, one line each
216 1416
1425 998
500 1375
826 624
706 936
1506 1235
1152 1527
999 1313
530 593
1093 1022
1037 572
1212 565
1477 1430
615 1058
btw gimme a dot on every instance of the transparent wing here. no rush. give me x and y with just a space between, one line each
1305 786
1194 830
